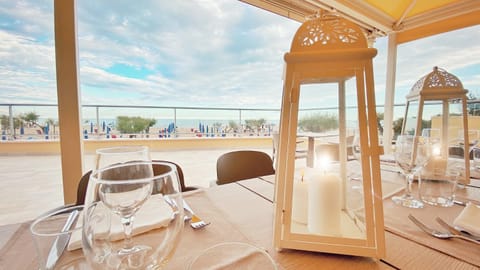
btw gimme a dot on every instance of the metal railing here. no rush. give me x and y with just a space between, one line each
99 120
186 121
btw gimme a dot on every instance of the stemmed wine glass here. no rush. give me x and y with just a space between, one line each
120 154
136 220
411 154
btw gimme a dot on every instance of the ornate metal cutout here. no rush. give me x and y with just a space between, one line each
437 79
328 32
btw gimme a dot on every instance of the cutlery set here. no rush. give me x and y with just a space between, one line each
450 233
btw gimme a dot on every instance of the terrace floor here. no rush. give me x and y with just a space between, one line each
32 184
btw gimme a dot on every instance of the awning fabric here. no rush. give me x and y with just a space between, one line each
409 19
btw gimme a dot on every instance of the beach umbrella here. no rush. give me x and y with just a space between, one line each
91 127
46 130
103 126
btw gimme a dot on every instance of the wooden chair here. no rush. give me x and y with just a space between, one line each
239 165
163 169
82 188
157 169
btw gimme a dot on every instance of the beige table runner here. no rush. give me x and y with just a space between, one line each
221 229
397 222
19 252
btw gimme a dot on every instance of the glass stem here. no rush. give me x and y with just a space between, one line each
127 223
408 185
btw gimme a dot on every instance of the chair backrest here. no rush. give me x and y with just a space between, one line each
239 165
275 140
157 169
163 169
82 188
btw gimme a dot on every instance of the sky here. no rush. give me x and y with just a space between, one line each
201 53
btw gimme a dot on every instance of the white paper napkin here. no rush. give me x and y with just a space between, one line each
469 219
154 214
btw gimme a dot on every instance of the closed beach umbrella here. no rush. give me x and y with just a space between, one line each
103 126
91 127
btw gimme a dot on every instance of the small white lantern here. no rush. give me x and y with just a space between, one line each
437 108
336 207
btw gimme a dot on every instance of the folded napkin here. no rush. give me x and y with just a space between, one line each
388 159
469 219
154 214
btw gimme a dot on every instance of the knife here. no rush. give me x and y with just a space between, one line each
61 241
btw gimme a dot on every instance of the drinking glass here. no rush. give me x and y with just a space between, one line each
120 154
356 147
135 218
411 154
357 155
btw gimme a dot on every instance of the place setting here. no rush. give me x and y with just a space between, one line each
134 218
428 211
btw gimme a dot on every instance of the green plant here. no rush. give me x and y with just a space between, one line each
318 122
254 124
136 124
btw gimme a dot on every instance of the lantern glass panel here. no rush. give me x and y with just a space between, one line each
332 169
411 118
442 123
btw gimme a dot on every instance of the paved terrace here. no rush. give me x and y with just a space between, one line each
32 184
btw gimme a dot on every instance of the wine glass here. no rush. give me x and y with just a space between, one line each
411 154
136 220
120 154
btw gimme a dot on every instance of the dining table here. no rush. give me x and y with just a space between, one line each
243 211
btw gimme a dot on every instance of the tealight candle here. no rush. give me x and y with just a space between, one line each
300 201
324 204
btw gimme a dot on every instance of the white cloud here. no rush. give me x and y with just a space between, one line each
197 53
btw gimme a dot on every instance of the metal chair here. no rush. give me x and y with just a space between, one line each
299 153
240 165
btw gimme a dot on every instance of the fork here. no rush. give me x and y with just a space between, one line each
195 221
453 230
438 234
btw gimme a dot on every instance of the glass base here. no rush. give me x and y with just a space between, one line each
129 258
407 201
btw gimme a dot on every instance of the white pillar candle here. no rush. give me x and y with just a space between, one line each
324 204
300 201
435 166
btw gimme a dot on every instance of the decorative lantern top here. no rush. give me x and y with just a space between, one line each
438 83
328 31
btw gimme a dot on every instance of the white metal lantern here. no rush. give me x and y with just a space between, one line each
437 108
326 208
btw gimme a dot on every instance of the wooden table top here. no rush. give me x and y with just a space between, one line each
243 211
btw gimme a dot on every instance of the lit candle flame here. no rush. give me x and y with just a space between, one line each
323 162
